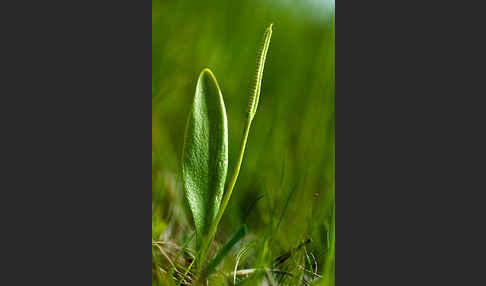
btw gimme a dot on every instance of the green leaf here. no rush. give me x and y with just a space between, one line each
205 153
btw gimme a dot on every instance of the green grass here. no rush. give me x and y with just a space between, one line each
285 190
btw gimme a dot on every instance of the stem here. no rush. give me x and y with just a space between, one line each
226 198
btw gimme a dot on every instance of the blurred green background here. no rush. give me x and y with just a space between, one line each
285 189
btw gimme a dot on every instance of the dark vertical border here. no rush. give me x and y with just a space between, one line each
76 121
409 154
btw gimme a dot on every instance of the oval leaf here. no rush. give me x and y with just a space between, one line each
205 153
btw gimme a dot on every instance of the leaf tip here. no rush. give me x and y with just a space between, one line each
207 72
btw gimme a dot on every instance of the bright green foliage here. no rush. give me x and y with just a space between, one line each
284 191
205 153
